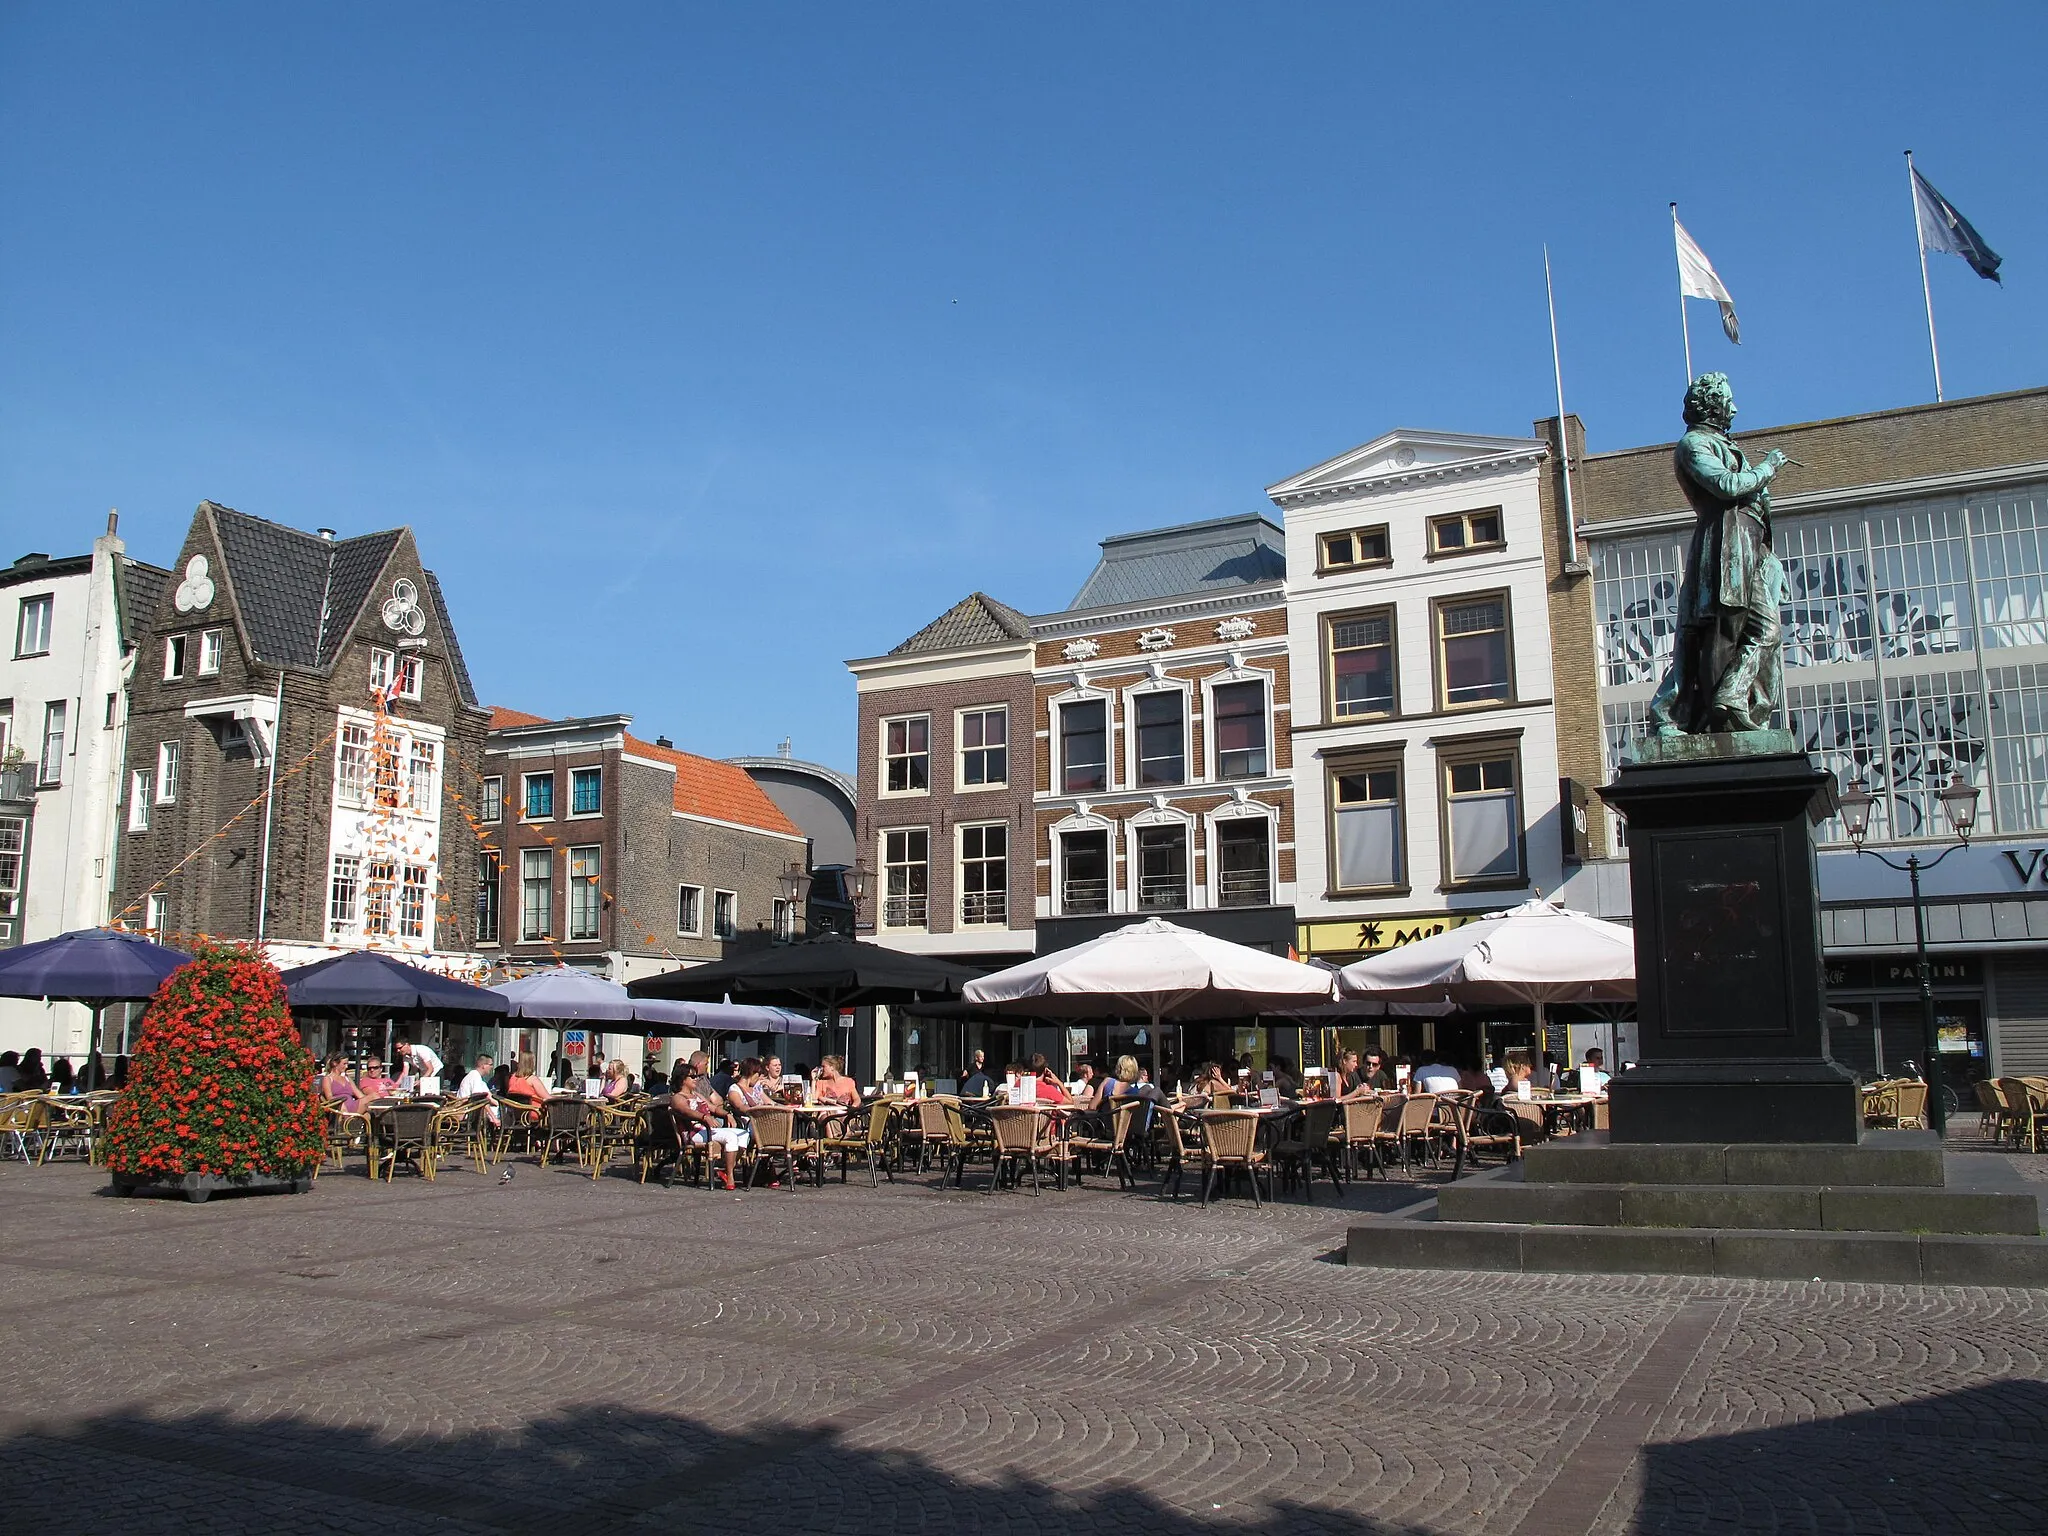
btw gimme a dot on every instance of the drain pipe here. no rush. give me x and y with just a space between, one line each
269 809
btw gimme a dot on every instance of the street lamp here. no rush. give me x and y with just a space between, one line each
1959 804
857 879
796 890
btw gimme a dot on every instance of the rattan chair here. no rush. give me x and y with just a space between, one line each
1021 1143
1359 1127
963 1139
64 1123
658 1144
1405 1125
775 1140
868 1136
1909 1104
1990 1110
1310 1146
18 1125
1183 1142
452 1133
563 1126
1230 1143
400 1134
1111 1148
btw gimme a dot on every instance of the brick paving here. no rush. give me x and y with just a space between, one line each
557 1355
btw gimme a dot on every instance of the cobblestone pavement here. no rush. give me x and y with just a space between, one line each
557 1355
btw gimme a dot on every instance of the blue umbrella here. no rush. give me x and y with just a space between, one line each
95 966
366 979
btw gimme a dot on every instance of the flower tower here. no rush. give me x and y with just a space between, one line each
220 1089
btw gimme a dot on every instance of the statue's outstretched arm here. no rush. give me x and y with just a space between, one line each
1705 467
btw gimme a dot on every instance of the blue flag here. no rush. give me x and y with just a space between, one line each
1944 229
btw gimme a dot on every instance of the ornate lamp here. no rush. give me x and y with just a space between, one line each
1855 808
1959 800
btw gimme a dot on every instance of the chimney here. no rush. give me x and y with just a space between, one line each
663 741
325 533
113 521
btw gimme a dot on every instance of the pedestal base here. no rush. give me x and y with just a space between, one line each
1731 1101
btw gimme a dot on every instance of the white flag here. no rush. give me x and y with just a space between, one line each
1697 279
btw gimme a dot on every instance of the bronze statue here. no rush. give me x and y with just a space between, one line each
1727 671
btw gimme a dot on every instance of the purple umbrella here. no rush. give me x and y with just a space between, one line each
95 966
366 979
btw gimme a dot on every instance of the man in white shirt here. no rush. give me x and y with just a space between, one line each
1593 1076
422 1063
1435 1077
476 1084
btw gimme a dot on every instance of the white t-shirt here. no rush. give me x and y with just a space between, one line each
474 1085
1437 1078
424 1062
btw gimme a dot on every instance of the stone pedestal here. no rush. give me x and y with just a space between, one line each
1731 1032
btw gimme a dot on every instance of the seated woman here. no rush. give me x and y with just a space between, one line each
334 1083
525 1085
1209 1081
1127 1082
616 1083
833 1085
705 1121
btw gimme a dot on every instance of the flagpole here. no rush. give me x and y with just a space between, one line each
1926 291
1684 328
1564 442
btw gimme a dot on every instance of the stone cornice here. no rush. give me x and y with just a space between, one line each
1377 484
1146 615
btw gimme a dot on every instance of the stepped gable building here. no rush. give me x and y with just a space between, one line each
302 730
1161 697
1419 567
70 642
944 784
1915 550
624 856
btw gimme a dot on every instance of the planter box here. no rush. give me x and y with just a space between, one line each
199 1187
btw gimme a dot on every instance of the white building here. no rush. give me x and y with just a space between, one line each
1425 748
63 716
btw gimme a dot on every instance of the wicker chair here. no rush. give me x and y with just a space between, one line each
1311 1145
1881 1103
962 1141
1909 1104
1021 1142
926 1132
1230 1143
610 1133
869 1137
18 1124
348 1130
452 1133
1111 1149
1479 1129
400 1134
2026 1108
775 1140
1183 1143
563 1126
658 1144
1359 1129
1990 1110
1405 1124
63 1123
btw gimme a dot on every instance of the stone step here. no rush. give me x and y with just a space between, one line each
1892 1159
1829 1208
1890 1258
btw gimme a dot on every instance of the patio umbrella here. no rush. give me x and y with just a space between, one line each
93 966
1537 953
563 995
366 979
744 1019
1154 968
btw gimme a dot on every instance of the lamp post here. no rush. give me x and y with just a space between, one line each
857 880
1959 804
796 890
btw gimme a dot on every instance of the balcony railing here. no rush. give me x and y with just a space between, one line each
1244 888
991 907
1082 898
904 911
1162 892
18 782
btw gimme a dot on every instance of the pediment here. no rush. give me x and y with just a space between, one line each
1403 454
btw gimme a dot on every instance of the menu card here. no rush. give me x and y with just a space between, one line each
1024 1089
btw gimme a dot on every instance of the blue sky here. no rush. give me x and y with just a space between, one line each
707 347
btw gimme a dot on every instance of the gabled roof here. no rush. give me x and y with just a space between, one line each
1403 454
1222 553
437 606
299 594
504 719
977 619
142 589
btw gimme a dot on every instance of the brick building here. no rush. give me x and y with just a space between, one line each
300 722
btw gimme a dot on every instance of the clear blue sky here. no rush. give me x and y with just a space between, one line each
705 348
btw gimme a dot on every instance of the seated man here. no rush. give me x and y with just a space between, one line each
1596 1064
476 1084
1436 1076
371 1082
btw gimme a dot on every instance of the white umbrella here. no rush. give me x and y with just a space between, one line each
1537 953
1155 968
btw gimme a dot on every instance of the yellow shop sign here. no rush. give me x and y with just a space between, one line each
1368 935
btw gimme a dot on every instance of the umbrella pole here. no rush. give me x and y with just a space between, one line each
1537 1004
1156 1064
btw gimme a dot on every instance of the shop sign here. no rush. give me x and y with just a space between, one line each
1891 973
1371 935
1978 870
573 1042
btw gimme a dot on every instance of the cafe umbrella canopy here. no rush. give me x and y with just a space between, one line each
1538 953
1156 969
563 995
366 985
93 966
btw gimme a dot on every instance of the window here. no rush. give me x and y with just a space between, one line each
13 842
422 785
1162 868
55 715
491 802
1361 664
1483 819
1084 746
412 903
725 914
536 892
1465 530
174 656
1472 645
985 875
1353 548
783 918
344 893
352 764
984 747
209 653
585 898
395 674
32 626
1243 866
490 868
167 754
113 715
141 795
384 762
1239 723
539 789
379 888
690 910
1162 739
586 791
156 913
1084 873
906 871
1365 819
907 755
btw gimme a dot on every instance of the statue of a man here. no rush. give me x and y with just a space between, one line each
1726 671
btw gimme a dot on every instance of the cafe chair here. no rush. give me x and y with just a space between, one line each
562 1128
868 1137
1230 1144
1405 1128
1308 1148
1111 1151
400 1134
775 1143
1020 1143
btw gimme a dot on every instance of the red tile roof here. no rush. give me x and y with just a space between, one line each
704 785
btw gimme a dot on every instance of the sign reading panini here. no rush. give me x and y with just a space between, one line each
1371 935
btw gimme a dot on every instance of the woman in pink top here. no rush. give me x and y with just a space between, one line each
615 1079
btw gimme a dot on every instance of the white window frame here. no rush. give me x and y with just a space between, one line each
175 657
168 758
141 796
1235 816
1059 741
907 757
56 729
1085 826
13 853
156 913
960 863
414 920
728 926
782 918
525 798
574 774
883 866
491 797
345 894
355 773
423 775
695 930
43 604
1190 770
380 898
531 859
210 648
1212 738
961 749
586 889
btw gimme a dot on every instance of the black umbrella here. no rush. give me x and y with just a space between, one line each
830 971
364 979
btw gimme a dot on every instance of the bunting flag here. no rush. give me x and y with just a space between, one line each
1697 279
1942 228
